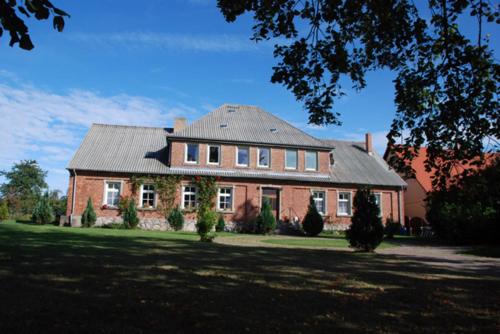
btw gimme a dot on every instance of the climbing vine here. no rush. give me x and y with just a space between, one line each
206 192
165 187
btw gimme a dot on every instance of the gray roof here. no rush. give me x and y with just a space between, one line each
247 124
117 148
143 150
354 165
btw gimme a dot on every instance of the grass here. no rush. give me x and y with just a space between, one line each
99 280
484 251
329 241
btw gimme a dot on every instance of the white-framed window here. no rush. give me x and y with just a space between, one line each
291 159
344 203
225 199
112 193
378 200
311 160
148 196
263 157
213 154
188 197
242 156
319 198
192 153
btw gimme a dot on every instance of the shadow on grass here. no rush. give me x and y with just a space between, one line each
59 279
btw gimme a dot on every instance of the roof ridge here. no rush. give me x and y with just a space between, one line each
129 126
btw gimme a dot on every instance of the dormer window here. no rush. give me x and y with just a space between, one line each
311 160
192 151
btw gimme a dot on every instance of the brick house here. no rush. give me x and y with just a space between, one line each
254 154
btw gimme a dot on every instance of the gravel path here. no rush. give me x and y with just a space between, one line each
441 256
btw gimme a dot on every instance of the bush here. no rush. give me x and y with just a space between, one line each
88 216
176 219
4 211
221 224
130 219
391 228
43 213
313 222
206 222
266 222
366 231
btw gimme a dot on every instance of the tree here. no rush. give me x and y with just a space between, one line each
23 186
221 224
130 219
11 21
176 219
88 216
4 211
446 84
313 222
206 221
366 231
43 212
266 223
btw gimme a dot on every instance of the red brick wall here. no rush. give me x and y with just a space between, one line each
294 197
228 154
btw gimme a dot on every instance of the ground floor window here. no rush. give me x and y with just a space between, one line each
319 200
378 200
112 193
225 199
344 205
188 197
148 196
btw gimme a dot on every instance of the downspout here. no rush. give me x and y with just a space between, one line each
400 206
73 197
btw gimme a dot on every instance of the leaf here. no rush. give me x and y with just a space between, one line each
61 12
23 10
58 23
25 42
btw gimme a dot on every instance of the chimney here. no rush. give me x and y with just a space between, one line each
179 124
368 143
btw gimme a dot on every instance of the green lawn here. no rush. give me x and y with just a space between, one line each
321 241
60 279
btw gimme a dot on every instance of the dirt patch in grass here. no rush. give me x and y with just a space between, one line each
97 280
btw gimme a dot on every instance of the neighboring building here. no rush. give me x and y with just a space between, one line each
420 185
255 155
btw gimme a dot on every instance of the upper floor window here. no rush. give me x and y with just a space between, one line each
192 152
291 159
242 156
264 157
188 197
344 204
148 196
311 160
319 198
213 152
378 200
225 199
112 192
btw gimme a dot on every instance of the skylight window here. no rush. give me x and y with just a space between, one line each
274 130
224 125
231 110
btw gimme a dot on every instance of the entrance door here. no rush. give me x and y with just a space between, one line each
272 195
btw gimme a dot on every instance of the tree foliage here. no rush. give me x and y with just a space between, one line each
469 212
446 82
129 215
313 222
366 231
23 186
221 224
89 216
176 219
266 222
205 223
12 22
43 212
4 211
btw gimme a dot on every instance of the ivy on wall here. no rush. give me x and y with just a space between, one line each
165 187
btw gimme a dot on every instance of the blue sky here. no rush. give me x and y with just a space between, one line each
144 65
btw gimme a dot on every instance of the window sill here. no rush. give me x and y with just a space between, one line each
147 209
225 211
344 215
242 166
